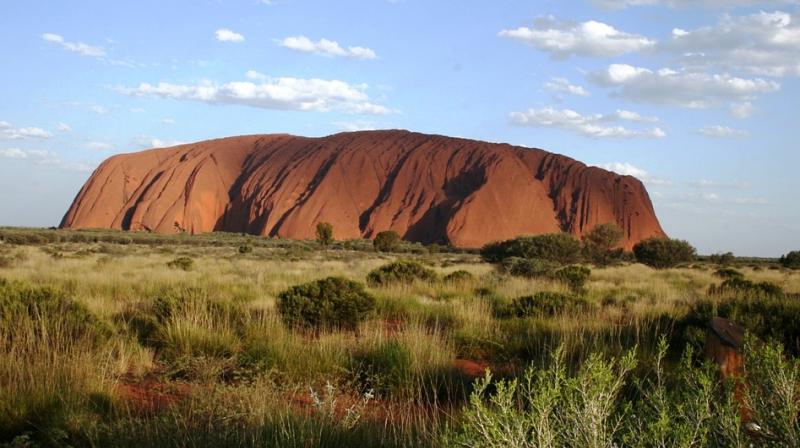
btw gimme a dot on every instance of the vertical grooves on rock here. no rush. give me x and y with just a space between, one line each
428 188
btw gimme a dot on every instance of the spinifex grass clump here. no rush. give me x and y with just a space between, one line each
547 304
460 276
400 272
182 263
331 303
22 302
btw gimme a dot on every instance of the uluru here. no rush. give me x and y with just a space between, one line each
428 188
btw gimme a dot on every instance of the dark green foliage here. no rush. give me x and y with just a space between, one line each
331 303
459 277
386 241
729 273
402 271
791 260
325 233
547 304
600 245
245 249
529 267
53 310
182 263
738 286
768 317
723 259
385 368
555 247
663 253
574 276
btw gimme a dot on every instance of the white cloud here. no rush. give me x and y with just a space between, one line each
44 158
63 127
9 132
168 120
622 4
150 142
719 131
355 126
226 35
270 93
100 146
564 39
628 169
742 110
99 110
587 125
13 153
79 47
705 183
764 43
562 85
680 88
325 47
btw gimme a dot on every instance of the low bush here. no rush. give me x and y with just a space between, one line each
738 286
53 312
182 263
729 273
554 247
547 304
791 260
529 267
573 276
386 241
331 303
663 253
403 271
604 404
460 276
245 249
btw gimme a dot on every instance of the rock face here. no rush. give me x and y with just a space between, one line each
427 188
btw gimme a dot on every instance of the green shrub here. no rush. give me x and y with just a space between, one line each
556 247
402 271
245 249
791 260
386 241
740 286
331 303
460 276
325 233
182 263
600 245
529 267
573 276
723 259
729 273
51 309
663 253
547 304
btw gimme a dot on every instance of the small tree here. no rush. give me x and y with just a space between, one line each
325 233
663 253
791 260
386 241
601 244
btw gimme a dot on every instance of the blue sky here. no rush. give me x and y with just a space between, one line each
697 98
